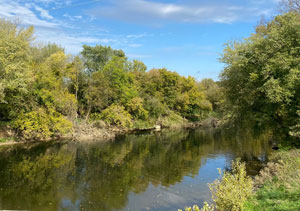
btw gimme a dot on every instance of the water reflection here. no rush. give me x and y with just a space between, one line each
158 171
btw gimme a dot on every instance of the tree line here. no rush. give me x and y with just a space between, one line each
44 91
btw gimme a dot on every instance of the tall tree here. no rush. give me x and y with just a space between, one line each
262 74
14 66
95 58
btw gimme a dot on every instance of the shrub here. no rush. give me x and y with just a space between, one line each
171 120
135 107
282 171
96 121
116 115
206 207
295 130
278 184
95 117
155 107
231 192
41 124
142 124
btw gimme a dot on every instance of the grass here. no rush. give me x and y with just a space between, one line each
274 199
3 140
278 184
3 129
277 188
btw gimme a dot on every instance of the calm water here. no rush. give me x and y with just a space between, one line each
152 171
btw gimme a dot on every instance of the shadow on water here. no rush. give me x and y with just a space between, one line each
148 171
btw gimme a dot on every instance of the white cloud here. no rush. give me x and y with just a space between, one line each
43 13
55 30
55 2
73 18
136 36
72 43
146 11
13 10
134 45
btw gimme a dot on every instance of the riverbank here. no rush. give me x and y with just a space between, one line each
100 131
276 188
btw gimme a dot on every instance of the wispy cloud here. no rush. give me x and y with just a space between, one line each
134 45
57 3
43 13
136 36
71 42
146 11
138 56
13 10
73 18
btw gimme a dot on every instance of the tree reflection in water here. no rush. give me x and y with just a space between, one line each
101 176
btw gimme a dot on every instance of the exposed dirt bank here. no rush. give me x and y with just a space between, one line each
86 132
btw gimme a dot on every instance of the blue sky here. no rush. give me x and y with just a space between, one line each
186 36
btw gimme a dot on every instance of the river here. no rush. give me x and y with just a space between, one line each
148 171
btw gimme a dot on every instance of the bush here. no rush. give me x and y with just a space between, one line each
41 124
142 124
295 130
155 107
171 120
278 184
96 121
117 115
231 192
206 207
135 107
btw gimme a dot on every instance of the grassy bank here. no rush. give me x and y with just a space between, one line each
278 185
276 188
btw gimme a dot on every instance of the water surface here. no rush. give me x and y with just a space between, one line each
151 171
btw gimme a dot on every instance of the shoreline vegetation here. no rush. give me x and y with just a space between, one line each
45 93
277 187
101 132
261 82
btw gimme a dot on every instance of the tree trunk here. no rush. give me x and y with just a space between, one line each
88 113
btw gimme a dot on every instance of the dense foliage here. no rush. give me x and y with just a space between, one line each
261 79
259 84
278 183
43 90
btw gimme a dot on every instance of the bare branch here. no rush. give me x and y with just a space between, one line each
289 6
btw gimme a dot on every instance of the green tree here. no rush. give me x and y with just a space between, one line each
50 87
41 52
213 92
98 94
261 79
15 73
95 58
75 72
178 93
115 84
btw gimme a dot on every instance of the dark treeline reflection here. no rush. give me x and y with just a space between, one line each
100 176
